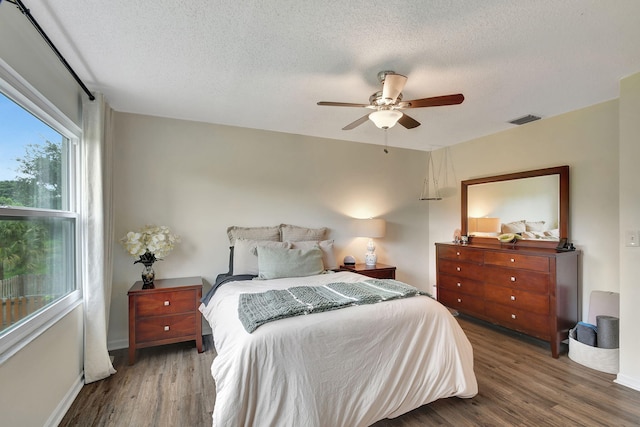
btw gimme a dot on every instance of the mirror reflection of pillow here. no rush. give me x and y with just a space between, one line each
552 233
515 227
534 226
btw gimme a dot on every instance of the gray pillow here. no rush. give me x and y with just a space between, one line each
275 263
245 260
253 233
293 233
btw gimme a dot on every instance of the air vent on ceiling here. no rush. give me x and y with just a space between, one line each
524 119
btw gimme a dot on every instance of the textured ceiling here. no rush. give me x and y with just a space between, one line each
265 64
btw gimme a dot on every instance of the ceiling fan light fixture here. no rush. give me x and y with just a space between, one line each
385 119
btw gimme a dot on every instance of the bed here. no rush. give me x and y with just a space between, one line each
345 367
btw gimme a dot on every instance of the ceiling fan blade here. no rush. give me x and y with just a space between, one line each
435 101
357 123
408 122
392 86
341 104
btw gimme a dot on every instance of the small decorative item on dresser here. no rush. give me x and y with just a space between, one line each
149 244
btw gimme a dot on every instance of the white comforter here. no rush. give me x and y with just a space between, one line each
348 367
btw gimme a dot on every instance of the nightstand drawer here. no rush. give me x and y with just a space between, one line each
162 303
165 327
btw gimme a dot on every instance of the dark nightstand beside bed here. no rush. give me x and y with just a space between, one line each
166 314
378 271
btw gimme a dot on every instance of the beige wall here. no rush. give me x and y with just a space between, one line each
198 179
42 379
629 220
45 374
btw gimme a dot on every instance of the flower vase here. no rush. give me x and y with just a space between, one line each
147 276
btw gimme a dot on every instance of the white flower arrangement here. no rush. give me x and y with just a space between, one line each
149 243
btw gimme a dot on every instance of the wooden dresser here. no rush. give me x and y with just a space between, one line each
166 314
527 289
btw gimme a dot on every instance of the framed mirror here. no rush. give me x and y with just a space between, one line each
533 204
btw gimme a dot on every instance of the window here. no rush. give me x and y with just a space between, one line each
38 218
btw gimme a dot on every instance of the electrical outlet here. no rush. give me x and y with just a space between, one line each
631 238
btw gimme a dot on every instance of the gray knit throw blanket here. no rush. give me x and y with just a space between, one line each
257 309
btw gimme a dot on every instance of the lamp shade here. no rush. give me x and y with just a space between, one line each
385 119
484 225
371 227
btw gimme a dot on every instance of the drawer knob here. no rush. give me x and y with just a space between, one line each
513 260
166 303
458 284
513 278
513 316
457 253
166 328
513 297
457 268
459 299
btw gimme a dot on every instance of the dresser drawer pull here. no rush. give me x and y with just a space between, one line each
457 268
458 284
513 316
513 278
166 328
459 299
457 253
513 297
513 260
167 303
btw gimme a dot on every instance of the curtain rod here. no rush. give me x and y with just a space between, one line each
46 38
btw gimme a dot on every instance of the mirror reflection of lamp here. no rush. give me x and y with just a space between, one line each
372 228
484 225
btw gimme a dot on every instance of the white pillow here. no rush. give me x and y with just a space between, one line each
534 225
515 227
326 246
245 260
275 262
293 233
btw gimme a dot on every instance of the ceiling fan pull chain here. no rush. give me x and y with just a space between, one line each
386 141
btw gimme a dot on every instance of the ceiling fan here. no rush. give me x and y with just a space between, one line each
388 102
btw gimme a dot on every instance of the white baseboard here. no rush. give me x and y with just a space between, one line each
58 414
627 381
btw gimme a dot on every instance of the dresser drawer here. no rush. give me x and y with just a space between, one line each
460 253
160 328
465 303
515 260
532 281
523 321
460 285
461 269
162 303
517 299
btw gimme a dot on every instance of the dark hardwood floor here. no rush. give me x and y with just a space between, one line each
520 384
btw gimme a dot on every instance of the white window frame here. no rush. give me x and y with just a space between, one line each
18 89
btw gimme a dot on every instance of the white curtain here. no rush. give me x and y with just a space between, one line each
97 159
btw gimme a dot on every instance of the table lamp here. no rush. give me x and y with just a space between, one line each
371 228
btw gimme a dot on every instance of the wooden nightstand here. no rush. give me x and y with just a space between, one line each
378 271
166 314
